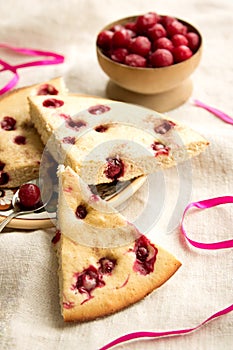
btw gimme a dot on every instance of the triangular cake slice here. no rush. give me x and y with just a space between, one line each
20 145
105 263
104 140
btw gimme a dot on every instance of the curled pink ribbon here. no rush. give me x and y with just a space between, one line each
221 115
209 203
53 58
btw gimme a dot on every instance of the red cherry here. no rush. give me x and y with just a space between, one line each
146 21
161 58
118 55
164 43
176 27
193 41
166 20
121 38
181 53
29 195
104 39
140 45
179 39
135 60
117 27
156 32
131 26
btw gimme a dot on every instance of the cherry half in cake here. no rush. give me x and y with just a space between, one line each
145 253
69 140
20 140
87 281
164 127
53 103
114 168
101 128
91 278
106 265
98 109
57 237
160 149
81 212
75 124
8 123
47 89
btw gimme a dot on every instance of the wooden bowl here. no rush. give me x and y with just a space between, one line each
149 80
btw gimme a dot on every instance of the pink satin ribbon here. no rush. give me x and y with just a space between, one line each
209 203
221 115
53 58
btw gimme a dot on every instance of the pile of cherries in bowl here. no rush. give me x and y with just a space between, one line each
149 41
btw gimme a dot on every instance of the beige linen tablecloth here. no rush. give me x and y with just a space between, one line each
29 305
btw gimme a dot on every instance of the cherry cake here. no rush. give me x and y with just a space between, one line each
105 263
104 140
20 144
